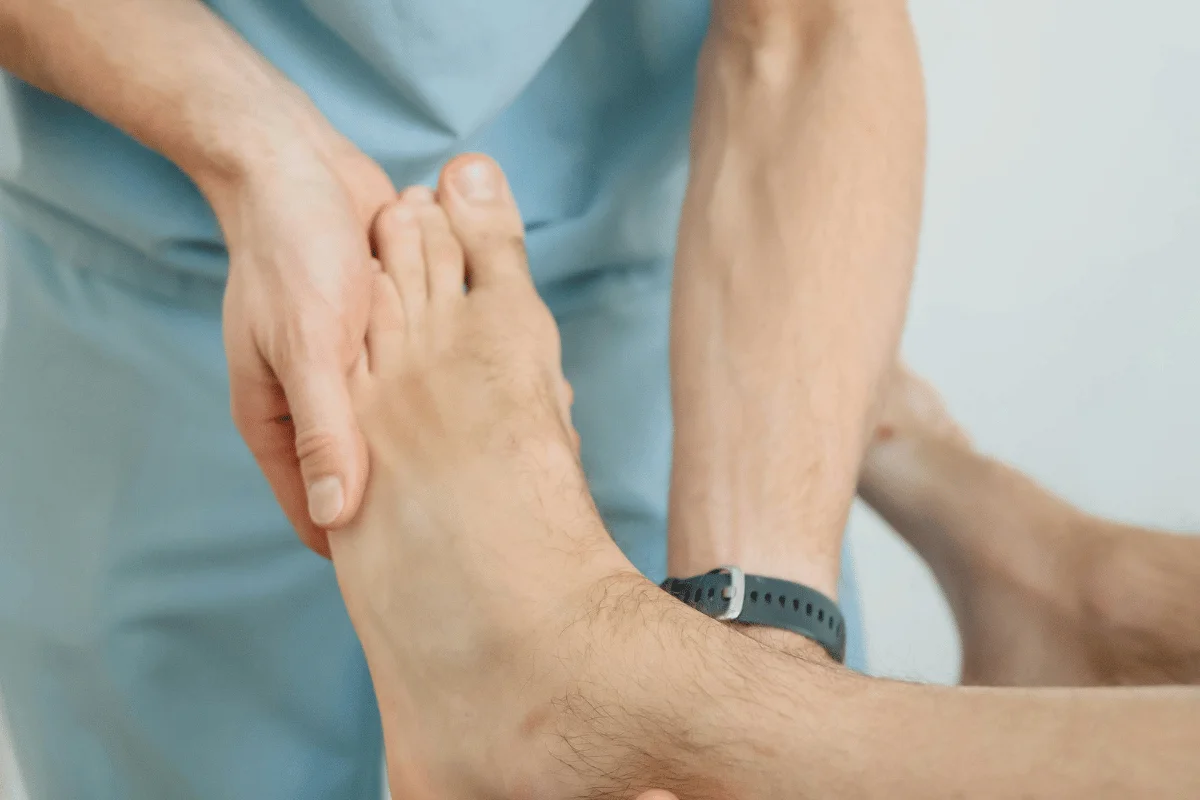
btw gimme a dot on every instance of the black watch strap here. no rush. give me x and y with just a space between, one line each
730 594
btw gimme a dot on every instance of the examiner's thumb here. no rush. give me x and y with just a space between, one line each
328 444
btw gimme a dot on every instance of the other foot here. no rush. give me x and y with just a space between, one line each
912 407
1016 563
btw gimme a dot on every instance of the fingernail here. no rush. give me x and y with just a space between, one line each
477 182
325 500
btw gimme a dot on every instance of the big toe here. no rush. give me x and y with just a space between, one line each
484 215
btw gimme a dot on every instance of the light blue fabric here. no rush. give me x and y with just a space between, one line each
587 108
162 632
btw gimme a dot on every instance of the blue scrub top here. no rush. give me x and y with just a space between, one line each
585 104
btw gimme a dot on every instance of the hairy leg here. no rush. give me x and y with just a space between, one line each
1043 593
461 401
516 653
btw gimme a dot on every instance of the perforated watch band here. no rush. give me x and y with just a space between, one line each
730 594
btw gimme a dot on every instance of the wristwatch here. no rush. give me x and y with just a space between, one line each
729 594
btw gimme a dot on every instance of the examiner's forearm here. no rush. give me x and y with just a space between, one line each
168 72
795 254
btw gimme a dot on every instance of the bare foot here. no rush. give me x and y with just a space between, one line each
912 407
478 548
514 650
1019 566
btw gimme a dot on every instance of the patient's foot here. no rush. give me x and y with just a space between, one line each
474 570
913 408
1006 553
1030 579
1001 549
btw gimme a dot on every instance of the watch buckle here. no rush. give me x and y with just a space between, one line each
735 592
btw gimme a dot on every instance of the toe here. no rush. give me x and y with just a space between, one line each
484 216
398 241
444 268
385 328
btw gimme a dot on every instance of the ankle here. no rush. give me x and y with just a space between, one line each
660 688
619 720
557 719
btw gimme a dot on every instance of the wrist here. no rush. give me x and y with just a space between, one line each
247 142
756 507
773 549
817 570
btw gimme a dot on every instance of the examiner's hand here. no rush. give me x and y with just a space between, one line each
297 225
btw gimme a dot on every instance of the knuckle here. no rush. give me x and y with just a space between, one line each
317 449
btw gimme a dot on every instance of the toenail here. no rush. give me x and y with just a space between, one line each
401 213
421 195
476 182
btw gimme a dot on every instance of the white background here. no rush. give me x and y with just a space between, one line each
1057 303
